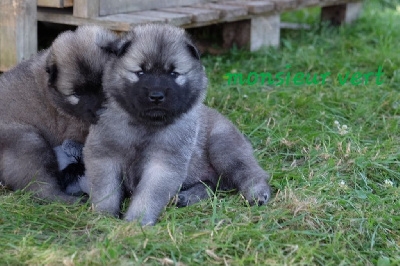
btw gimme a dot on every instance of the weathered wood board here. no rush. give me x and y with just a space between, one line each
86 8
307 3
121 22
227 12
254 7
285 4
198 14
109 7
176 19
18 31
55 3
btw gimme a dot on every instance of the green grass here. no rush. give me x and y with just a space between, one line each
331 204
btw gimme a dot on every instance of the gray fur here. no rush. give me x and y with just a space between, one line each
151 147
39 109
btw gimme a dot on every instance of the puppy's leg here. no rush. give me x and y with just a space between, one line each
231 155
28 162
195 193
160 181
105 184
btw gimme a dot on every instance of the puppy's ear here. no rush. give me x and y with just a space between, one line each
51 69
193 50
117 47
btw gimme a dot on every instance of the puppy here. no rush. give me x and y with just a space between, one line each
52 97
156 135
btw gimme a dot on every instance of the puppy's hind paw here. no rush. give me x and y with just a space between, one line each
263 199
186 199
259 195
182 200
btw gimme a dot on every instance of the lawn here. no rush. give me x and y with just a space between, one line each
332 150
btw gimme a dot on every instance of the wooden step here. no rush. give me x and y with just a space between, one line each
254 7
176 19
55 3
198 14
131 18
307 3
227 11
121 22
285 5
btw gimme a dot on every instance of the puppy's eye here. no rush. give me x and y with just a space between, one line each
139 73
174 74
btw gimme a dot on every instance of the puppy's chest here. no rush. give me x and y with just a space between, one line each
136 156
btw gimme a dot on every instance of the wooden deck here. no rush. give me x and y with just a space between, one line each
197 15
264 17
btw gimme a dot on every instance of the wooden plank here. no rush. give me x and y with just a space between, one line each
131 18
329 2
336 2
227 12
254 7
198 14
109 7
112 22
18 31
284 5
55 3
176 19
307 3
86 8
68 3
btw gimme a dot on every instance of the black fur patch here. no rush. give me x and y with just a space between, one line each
117 47
53 74
178 99
71 174
92 79
193 51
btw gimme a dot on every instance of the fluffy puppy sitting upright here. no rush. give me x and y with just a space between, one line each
51 97
156 135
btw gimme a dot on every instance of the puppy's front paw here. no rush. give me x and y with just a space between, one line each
106 208
143 218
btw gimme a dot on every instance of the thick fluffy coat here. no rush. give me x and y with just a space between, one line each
156 135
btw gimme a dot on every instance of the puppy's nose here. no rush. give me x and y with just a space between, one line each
156 97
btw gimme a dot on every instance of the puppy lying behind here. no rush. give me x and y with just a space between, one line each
52 97
156 134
